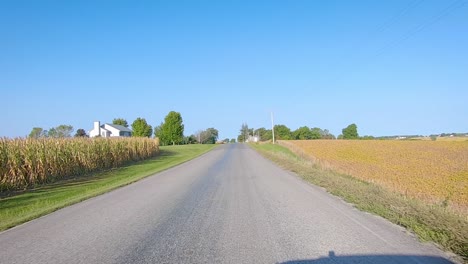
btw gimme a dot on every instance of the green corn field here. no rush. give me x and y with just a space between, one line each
27 162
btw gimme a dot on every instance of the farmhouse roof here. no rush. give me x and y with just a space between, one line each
119 127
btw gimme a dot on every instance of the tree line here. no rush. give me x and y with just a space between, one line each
282 132
56 132
169 132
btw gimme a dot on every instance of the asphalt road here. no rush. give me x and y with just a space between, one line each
228 206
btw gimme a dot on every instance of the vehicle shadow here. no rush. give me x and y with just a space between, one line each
166 152
374 259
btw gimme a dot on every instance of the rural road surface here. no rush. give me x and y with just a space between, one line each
228 206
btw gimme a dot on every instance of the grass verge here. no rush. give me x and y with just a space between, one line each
25 206
429 223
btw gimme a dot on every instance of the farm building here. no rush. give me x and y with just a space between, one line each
109 130
253 139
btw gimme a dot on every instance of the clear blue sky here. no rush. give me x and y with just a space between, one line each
391 67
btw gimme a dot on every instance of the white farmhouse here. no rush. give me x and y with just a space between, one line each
109 130
253 139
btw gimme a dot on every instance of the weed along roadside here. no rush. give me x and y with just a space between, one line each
22 207
429 222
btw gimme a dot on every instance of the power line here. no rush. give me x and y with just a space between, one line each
394 19
433 20
382 28
412 31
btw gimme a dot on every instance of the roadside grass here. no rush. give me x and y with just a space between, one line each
23 206
429 222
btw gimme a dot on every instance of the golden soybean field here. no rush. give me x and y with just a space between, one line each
433 171
26 162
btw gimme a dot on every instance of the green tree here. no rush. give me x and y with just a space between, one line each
52 133
208 136
211 135
327 135
244 133
260 132
172 130
282 132
350 132
64 131
140 128
316 133
190 140
59 131
233 140
120 121
38 132
268 135
302 133
80 133
264 134
158 131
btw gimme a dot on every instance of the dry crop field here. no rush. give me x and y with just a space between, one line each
433 171
26 162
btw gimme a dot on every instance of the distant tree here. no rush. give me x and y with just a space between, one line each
172 130
80 133
140 128
158 131
199 136
52 132
350 132
244 132
59 131
259 132
190 140
208 136
120 121
226 140
268 135
233 140
38 132
302 133
64 130
240 138
213 135
340 136
316 133
282 132
327 135
264 134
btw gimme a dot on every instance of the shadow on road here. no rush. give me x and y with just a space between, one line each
374 259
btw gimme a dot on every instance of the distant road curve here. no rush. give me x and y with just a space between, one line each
228 206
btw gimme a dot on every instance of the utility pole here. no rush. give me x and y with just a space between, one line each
272 128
